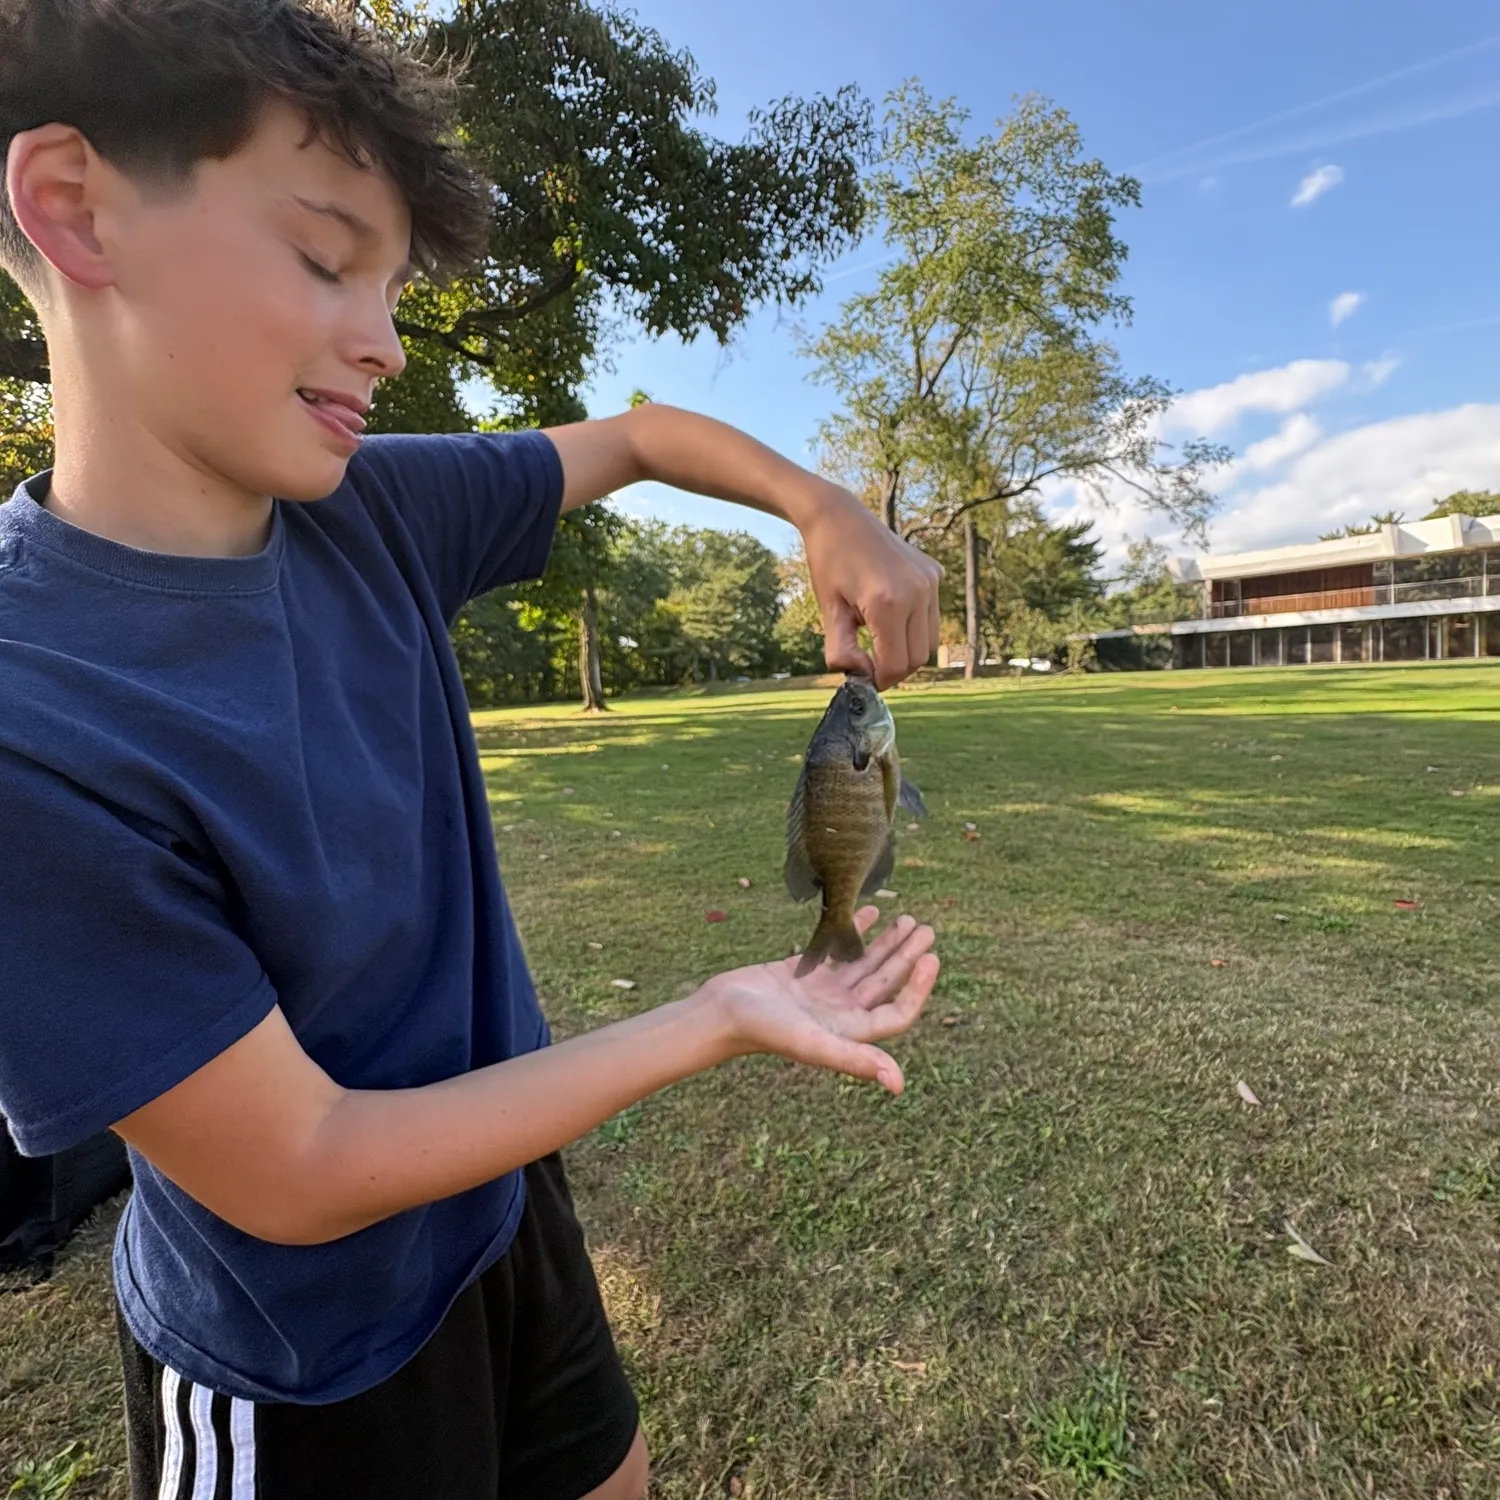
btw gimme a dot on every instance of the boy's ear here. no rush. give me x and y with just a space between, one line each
54 178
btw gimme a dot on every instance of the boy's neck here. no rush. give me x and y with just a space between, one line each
128 488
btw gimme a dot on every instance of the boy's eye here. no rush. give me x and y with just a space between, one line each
320 271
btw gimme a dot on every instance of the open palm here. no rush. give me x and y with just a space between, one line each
831 1017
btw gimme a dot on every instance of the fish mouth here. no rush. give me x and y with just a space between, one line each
861 757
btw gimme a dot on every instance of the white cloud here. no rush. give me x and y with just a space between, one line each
1315 184
1298 433
1375 372
1345 305
1299 482
1404 463
1284 389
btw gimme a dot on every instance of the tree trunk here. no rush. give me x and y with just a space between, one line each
713 669
589 673
971 592
888 500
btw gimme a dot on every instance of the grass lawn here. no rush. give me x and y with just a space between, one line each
1060 1263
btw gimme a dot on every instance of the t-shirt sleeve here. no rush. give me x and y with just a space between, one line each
120 972
481 507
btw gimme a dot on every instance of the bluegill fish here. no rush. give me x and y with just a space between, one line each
840 828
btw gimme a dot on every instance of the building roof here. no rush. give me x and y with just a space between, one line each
1406 539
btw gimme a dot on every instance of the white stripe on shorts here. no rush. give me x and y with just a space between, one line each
242 1435
205 1442
171 1464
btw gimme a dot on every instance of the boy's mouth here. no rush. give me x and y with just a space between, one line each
335 411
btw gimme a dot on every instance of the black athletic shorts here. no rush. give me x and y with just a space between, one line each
518 1395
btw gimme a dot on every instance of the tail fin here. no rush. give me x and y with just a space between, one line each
836 937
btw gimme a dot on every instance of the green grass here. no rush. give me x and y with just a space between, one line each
1059 1264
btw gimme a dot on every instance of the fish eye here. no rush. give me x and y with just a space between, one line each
857 707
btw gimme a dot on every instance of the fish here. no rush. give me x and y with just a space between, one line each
840 826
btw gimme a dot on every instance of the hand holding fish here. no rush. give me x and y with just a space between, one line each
831 1017
864 574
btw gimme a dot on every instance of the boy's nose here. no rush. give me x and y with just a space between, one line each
380 350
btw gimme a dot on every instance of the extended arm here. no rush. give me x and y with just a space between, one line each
862 574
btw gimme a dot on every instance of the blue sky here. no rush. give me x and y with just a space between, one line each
1313 264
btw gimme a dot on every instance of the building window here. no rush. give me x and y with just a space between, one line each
1403 640
1492 634
1351 642
1268 648
1459 635
1216 650
1321 642
1296 645
1241 649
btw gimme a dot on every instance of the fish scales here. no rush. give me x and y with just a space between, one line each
840 826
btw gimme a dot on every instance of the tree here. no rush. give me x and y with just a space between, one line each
1368 528
1466 503
799 628
1149 595
25 403
971 376
728 599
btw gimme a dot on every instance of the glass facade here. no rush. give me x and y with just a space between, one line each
1424 638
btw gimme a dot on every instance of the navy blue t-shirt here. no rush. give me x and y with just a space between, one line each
232 783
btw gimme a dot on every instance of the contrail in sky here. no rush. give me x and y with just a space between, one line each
1161 167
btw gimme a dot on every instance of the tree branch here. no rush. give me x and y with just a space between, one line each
24 359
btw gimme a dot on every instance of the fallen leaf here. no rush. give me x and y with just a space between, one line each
544 856
597 947
1218 963
885 895
950 1021
665 766
1302 1250
716 916
745 884
508 828
1433 768
970 836
1276 757
1455 794
736 1484
1247 1094
1406 905
1281 916
567 791
623 984
913 827
947 900
971 826
918 1366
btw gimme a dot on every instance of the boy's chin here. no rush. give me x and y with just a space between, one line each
308 482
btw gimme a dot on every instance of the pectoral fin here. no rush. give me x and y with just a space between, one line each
911 799
798 873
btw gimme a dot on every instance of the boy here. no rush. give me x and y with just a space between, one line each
251 912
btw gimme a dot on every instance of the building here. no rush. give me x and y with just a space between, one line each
1413 591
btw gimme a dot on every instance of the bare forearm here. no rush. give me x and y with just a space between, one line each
707 457
380 1152
693 453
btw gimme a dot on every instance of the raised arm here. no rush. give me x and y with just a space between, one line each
862 574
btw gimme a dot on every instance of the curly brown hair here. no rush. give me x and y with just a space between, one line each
159 85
